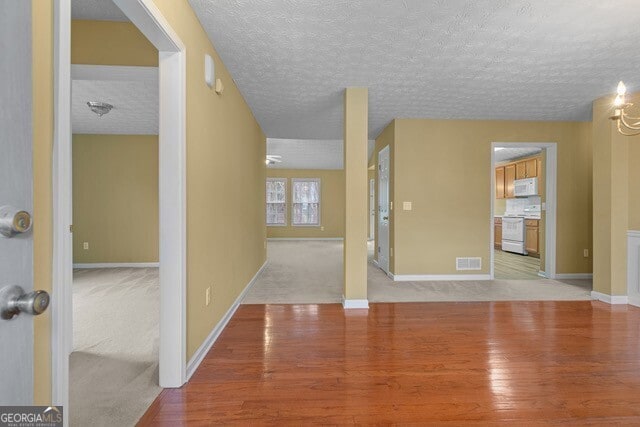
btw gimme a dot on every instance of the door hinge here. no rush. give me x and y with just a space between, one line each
71 228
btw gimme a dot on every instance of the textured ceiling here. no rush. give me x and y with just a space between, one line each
309 154
135 109
99 10
504 154
472 59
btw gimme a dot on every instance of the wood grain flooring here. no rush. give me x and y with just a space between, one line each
508 265
483 363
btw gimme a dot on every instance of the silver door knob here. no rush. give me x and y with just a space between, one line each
13 221
13 301
385 218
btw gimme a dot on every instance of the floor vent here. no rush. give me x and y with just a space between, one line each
468 264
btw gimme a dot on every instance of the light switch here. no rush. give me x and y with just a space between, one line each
406 206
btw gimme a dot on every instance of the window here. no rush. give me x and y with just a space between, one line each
276 201
305 201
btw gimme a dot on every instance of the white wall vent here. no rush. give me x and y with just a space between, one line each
469 263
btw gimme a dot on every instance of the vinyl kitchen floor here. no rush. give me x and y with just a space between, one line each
508 265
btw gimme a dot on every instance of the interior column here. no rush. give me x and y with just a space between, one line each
610 204
356 124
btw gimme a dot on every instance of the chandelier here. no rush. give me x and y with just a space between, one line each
627 125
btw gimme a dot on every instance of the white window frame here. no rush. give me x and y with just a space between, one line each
286 191
319 181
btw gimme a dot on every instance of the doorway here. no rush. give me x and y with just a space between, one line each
372 209
523 213
172 204
383 209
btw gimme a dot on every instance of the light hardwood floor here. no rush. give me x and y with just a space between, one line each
515 266
485 363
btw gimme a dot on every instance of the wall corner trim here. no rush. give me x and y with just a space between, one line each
204 348
437 277
117 265
348 304
610 299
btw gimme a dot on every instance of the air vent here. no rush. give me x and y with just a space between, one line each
468 264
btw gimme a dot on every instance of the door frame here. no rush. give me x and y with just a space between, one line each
388 270
146 16
551 182
372 209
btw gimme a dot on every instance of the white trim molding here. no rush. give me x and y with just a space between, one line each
117 265
437 277
609 299
633 267
303 238
561 276
348 304
542 274
204 348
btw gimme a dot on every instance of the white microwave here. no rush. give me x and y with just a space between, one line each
525 187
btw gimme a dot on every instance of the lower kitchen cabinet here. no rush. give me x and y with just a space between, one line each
497 231
532 236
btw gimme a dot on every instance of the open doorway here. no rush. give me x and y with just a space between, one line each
522 200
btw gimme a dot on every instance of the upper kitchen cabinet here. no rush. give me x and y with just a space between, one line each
527 169
500 182
509 177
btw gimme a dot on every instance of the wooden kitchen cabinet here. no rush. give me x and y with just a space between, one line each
500 182
532 236
509 177
497 231
527 169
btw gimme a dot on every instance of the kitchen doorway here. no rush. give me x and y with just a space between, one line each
523 210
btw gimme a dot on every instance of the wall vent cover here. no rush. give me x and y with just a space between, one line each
469 263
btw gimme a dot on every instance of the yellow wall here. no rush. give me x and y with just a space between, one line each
634 183
226 229
115 198
110 43
331 204
42 54
444 168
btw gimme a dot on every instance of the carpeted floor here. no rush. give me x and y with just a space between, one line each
114 364
301 272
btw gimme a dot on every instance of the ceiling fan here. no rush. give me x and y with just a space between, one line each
273 159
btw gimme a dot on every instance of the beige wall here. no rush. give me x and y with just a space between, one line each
634 183
331 204
110 43
115 198
42 54
225 183
444 168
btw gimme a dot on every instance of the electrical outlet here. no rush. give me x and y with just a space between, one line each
585 253
406 206
322 228
207 296
85 246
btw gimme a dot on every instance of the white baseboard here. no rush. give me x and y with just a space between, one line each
304 238
375 262
610 299
118 265
204 348
542 274
354 303
574 276
437 277
635 301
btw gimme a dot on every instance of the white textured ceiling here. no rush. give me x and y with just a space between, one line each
99 10
471 59
309 154
135 109
504 154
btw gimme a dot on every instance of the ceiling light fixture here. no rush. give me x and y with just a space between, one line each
100 108
627 125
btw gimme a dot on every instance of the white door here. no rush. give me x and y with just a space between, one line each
383 209
372 209
16 200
